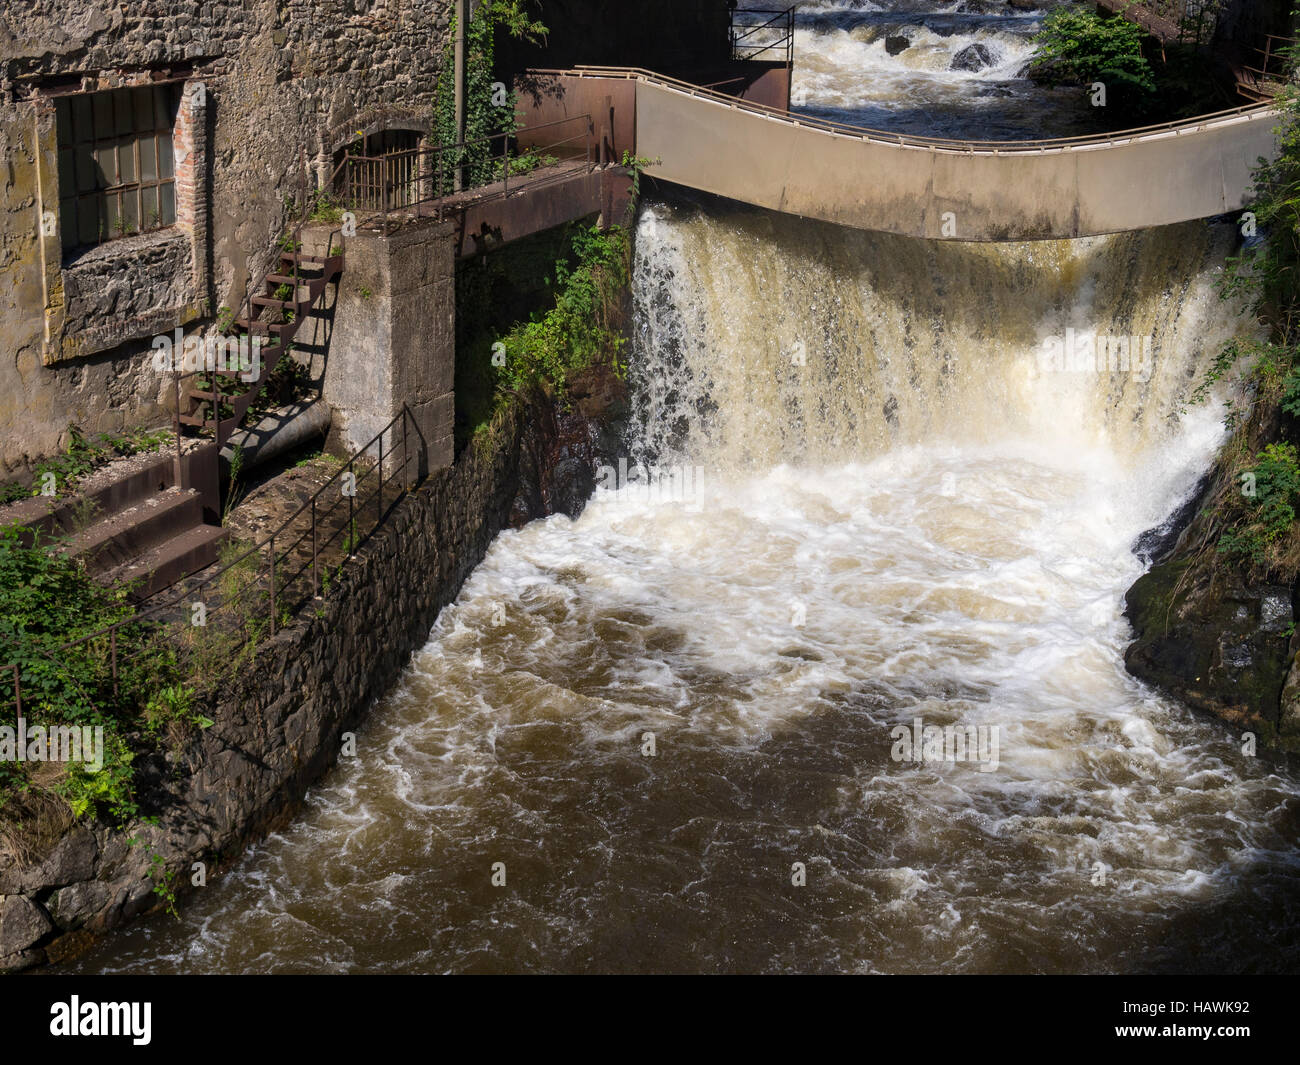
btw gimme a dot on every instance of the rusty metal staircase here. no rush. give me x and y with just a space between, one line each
216 401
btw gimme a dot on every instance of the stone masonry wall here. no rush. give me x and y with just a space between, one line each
278 726
280 79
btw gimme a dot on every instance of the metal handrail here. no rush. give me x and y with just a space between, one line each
1263 73
778 15
245 310
910 140
195 591
427 172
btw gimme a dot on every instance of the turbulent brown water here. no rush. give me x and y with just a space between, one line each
894 508
844 71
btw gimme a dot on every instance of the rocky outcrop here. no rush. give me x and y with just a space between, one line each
1221 646
972 58
279 725
1208 636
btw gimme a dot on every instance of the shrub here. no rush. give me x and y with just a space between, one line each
1270 512
583 328
1075 44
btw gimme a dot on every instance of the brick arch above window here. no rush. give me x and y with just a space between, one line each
342 134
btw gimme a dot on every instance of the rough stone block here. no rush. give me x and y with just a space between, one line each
22 923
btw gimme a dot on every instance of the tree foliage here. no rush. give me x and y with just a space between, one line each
1076 44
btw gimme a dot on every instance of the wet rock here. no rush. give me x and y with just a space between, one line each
22 924
1025 5
1288 725
72 859
24 959
896 43
1219 645
72 906
973 57
1158 543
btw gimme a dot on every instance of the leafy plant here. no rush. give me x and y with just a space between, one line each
112 788
583 327
478 161
163 878
1078 45
1271 512
325 208
173 704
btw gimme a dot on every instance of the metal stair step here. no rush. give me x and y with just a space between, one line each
171 560
123 536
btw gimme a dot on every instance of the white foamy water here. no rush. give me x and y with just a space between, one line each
846 566
844 71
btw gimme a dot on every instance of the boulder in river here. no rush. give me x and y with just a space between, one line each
972 57
896 43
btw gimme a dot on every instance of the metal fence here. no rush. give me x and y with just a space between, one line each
755 37
410 180
253 593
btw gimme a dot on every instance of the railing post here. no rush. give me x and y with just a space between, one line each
176 426
505 161
379 496
315 568
352 505
272 585
112 655
18 691
216 413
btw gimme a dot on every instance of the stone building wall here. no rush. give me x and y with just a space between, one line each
264 83
278 725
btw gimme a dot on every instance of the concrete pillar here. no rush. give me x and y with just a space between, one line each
394 339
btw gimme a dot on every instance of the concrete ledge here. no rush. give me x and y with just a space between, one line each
1144 180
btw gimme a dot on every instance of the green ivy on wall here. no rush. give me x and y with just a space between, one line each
490 107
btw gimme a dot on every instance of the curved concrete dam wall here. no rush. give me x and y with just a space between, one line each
944 189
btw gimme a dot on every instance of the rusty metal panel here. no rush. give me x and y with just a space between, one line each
488 224
547 97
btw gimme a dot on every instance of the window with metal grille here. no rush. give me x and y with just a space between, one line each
392 176
116 174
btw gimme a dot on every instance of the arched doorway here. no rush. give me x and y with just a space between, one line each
389 174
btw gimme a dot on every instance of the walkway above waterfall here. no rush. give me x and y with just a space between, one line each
917 186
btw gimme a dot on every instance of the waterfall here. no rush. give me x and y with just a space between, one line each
766 339
881 637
